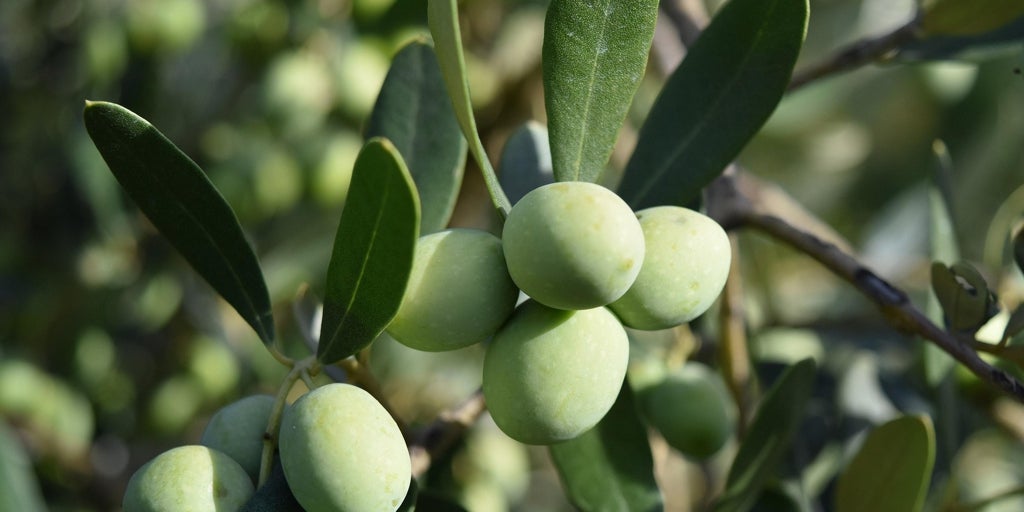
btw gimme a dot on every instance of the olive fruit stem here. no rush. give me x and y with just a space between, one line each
300 369
281 358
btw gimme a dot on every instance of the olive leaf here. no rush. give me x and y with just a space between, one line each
443 19
414 113
769 437
610 467
184 206
964 296
373 251
715 101
594 56
891 471
526 161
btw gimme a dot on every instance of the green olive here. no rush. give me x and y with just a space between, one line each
459 292
573 245
549 375
342 451
237 430
684 269
188 478
690 410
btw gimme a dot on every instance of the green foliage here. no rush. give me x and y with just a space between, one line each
182 203
594 57
414 113
891 471
373 253
768 438
715 101
609 467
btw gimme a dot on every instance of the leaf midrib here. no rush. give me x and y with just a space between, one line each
588 103
362 268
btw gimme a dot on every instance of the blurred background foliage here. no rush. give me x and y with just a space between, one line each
112 350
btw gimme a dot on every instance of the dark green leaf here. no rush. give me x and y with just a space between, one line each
526 161
768 439
414 112
718 98
891 471
610 466
19 489
443 18
594 56
965 297
180 201
373 252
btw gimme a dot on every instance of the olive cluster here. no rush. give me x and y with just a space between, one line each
589 265
339 449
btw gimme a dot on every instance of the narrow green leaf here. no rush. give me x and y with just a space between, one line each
891 471
594 56
414 112
964 295
776 422
610 467
526 161
373 252
443 18
180 201
718 98
19 489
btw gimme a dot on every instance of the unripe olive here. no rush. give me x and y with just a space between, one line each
573 245
685 267
342 451
190 477
549 375
237 430
459 292
690 411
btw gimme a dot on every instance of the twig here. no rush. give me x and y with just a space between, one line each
440 435
736 206
857 54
